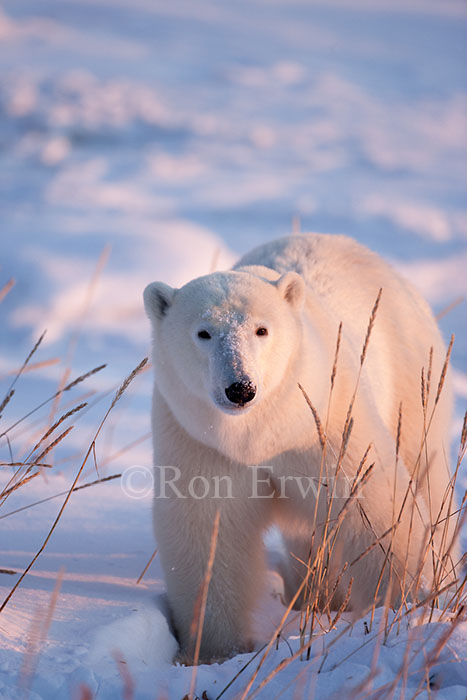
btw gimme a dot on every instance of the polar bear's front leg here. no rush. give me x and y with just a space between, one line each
184 531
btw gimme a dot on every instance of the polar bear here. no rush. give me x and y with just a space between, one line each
239 358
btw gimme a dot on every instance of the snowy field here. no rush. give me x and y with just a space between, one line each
146 140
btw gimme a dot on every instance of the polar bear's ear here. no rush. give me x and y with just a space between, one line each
292 287
157 299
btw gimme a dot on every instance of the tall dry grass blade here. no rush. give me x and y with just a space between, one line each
10 450
204 599
150 560
6 400
23 366
37 640
85 692
94 456
127 382
399 432
129 446
349 420
53 444
214 260
318 567
427 423
10 489
33 366
125 675
356 486
62 493
394 492
89 293
239 673
305 617
280 667
429 372
24 464
296 225
76 381
319 425
444 370
6 288
390 585
53 427
346 435
336 356
343 605
356 480
463 441
33 351
80 379
370 327
32 640
423 390
326 607
372 545
450 307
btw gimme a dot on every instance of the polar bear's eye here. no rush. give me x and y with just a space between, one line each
204 335
262 331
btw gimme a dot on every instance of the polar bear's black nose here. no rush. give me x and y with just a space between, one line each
241 392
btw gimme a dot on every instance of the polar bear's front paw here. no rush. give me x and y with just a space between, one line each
184 658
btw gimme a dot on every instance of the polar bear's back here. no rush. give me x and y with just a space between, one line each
342 272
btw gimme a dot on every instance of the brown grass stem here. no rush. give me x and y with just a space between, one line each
204 599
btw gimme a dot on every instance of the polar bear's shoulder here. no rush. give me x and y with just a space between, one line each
309 253
325 261
334 265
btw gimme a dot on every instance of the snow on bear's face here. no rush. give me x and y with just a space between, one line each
225 339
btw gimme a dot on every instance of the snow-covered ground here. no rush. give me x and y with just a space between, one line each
150 140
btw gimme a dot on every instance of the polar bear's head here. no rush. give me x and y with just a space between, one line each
225 338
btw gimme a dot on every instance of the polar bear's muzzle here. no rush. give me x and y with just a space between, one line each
235 384
238 397
241 393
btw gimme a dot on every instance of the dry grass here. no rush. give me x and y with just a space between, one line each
200 608
37 636
73 486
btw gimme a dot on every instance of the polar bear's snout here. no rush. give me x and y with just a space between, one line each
241 392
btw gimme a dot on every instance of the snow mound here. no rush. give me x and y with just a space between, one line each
142 640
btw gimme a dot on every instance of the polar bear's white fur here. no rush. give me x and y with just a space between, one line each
229 352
